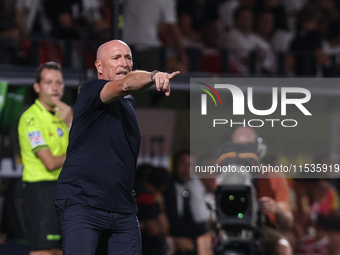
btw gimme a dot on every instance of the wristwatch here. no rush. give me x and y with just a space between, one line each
153 74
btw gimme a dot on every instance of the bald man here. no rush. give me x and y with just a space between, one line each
94 192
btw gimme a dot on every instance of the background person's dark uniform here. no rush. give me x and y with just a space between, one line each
94 191
148 209
303 48
182 225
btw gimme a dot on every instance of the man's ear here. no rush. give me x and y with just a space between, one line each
98 65
36 87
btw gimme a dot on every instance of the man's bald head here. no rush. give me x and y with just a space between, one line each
102 49
244 135
114 60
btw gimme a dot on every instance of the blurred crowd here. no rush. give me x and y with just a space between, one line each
299 37
176 212
177 206
291 37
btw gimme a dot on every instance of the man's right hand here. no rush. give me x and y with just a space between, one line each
162 81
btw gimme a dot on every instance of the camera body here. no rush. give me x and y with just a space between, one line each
237 214
237 218
236 207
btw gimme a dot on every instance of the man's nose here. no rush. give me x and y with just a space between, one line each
123 62
55 86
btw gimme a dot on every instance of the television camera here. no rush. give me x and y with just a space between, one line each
236 212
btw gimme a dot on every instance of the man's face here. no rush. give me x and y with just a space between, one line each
244 21
115 62
182 168
266 23
50 88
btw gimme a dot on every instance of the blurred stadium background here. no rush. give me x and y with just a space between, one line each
202 38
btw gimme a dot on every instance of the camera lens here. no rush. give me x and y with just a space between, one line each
234 203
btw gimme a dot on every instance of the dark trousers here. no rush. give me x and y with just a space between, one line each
82 227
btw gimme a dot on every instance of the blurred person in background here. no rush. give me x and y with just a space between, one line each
43 136
226 11
202 187
106 11
276 30
331 47
8 27
306 55
144 21
31 18
278 11
326 14
77 18
306 236
326 211
66 18
328 8
264 28
294 6
331 44
9 31
183 228
152 216
38 18
199 23
241 41
99 27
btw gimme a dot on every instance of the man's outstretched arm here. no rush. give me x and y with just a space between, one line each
136 81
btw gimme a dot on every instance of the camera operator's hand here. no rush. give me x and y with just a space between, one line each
282 211
204 243
184 244
268 205
159 199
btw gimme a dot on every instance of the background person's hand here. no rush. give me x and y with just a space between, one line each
159 198
64 112
184 244
162 81
268 205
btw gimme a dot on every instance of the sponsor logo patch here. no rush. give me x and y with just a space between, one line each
36 138
60 132
29 121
